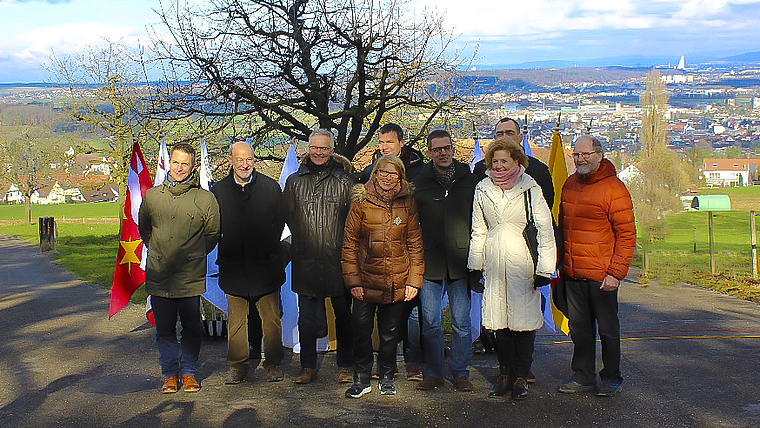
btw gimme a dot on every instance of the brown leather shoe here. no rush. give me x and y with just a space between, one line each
189 384
273 373
306 376
345 375
235 376
171 385
414 373
462 383
430 383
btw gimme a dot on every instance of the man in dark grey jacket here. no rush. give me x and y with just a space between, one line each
250 259
179 222
316 201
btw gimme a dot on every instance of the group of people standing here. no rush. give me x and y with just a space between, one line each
386 247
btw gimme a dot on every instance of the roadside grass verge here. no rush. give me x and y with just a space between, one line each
86 250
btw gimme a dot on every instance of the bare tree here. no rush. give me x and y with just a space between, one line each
281 67
107 89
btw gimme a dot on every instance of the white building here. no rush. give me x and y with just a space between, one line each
13 195
729 172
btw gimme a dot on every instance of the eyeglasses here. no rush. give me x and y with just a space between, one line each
386 174
319 149
439 150
584 155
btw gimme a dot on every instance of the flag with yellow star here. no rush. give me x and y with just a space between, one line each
129 274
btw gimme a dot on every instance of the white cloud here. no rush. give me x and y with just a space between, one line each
37 45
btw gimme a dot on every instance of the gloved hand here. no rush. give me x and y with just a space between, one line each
540 281
475 281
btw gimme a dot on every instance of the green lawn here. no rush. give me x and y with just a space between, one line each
62 211
672 257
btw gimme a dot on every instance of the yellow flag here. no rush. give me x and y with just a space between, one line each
558 170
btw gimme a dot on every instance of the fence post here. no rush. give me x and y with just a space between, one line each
712 242
694 238
753 241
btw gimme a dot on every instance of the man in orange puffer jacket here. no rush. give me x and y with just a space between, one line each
596 217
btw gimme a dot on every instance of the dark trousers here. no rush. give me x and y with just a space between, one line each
515 350
590 308
312 324
181 356
411 332
389 320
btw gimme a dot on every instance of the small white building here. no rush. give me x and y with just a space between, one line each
630 174
74 195
13 195
49 195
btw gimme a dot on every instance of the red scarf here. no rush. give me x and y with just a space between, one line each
506 179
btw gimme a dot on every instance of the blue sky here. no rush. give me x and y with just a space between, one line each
504 32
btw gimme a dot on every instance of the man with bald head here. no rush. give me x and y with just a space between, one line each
250 259
596 218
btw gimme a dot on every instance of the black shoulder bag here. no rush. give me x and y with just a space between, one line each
530 233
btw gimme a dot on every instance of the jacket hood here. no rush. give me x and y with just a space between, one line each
606 169
343 162
177 189
335 162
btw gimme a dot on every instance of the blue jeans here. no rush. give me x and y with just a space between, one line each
432 335
178 357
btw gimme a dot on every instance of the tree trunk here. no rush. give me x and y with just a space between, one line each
28 210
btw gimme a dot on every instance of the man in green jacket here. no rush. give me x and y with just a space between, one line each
179 223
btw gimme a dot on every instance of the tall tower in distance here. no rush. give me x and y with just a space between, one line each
681 64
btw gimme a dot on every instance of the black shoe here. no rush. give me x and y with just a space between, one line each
608 388
519 389
357 390
503 384
387 387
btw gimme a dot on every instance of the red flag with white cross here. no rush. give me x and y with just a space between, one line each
129 274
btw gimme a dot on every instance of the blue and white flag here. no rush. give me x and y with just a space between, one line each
526 145
477 155
289 299
214 293
546 307
163 164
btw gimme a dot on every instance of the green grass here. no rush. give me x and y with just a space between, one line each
62 211
672 257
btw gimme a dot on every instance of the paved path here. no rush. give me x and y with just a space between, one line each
690 359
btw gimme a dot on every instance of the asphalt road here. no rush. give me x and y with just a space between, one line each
690 358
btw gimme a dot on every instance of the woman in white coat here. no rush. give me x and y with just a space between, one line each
511 300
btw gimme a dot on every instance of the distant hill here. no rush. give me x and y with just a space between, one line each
558 76
745 57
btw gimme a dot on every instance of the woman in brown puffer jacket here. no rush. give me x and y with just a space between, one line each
382 267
